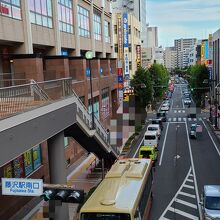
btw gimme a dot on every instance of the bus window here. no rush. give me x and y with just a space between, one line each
105 216
150 137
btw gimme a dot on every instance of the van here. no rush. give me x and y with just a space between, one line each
151 138
210 201
158 121
154 127
162 115
148 152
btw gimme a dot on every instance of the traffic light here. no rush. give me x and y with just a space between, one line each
63 194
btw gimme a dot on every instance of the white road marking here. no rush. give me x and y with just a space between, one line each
183 111
194 173
179 111
169 119
165 138
183 213
177 193
186 203
189 119
184 119
179 119
195 119
175 111
174 119
212 139
189 180
187 195
188 186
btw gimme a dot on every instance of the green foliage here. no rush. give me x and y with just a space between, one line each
160 77
197 75
142 76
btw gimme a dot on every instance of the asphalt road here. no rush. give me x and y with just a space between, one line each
184 165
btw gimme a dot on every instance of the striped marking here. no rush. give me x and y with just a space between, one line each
187 215
189 119
189 180
174 119
191 205
188 186
179 119
187 194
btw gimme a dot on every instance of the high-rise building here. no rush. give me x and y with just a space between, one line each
152 37
170 58
182 46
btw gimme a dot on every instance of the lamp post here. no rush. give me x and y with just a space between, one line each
89 56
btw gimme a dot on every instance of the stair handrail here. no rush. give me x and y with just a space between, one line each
38 90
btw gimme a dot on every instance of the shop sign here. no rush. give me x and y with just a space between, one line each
120 40
4 10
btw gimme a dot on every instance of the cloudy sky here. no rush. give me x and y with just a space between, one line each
183 18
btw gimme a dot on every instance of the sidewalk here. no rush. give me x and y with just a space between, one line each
79 179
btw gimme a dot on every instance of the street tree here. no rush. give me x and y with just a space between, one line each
160 77
142 84
198 74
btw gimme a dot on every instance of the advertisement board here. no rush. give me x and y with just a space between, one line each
37 156
126 43
28 163
18 167
138 55
120 38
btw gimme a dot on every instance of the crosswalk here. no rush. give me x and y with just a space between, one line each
181 119
184 203
179 111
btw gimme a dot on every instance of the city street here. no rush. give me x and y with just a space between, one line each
184 165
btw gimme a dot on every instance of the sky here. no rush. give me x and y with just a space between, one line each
183 19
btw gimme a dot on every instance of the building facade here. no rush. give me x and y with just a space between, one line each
47 40
134 41
170 58
182 46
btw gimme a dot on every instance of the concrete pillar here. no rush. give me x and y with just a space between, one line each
92 29
57 166
27 46
103 34
57 49
76 27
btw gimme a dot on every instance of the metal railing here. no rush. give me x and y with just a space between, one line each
16 99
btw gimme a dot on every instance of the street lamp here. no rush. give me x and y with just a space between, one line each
89 56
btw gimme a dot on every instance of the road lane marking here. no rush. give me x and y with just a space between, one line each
188 186
193 169
212 139
183 213
138 148
187 195
186 203
179 119
189 180
177 193
174 119
165 138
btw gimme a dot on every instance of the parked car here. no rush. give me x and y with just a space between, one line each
210 202
162 115
154 127
158 121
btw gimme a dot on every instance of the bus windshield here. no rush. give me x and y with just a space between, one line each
105 216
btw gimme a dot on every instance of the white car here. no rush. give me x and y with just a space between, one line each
187 101
154 127
164 108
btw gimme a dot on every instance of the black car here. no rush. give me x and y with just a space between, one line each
158 121
162 115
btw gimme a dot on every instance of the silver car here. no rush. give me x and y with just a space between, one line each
210 202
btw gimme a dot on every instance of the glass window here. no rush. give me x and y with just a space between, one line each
65 16
83 20
97 26
107 31
41 12
10 8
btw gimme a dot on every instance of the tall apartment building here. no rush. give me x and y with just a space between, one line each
182 46
47 40
170 58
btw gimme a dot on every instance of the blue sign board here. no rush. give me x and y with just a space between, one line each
120 79
210 72
22 187
125 28
101 71
88 72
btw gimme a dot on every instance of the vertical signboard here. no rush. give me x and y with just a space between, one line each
28 164
138 55
120 38
37 156
126 53
18 166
